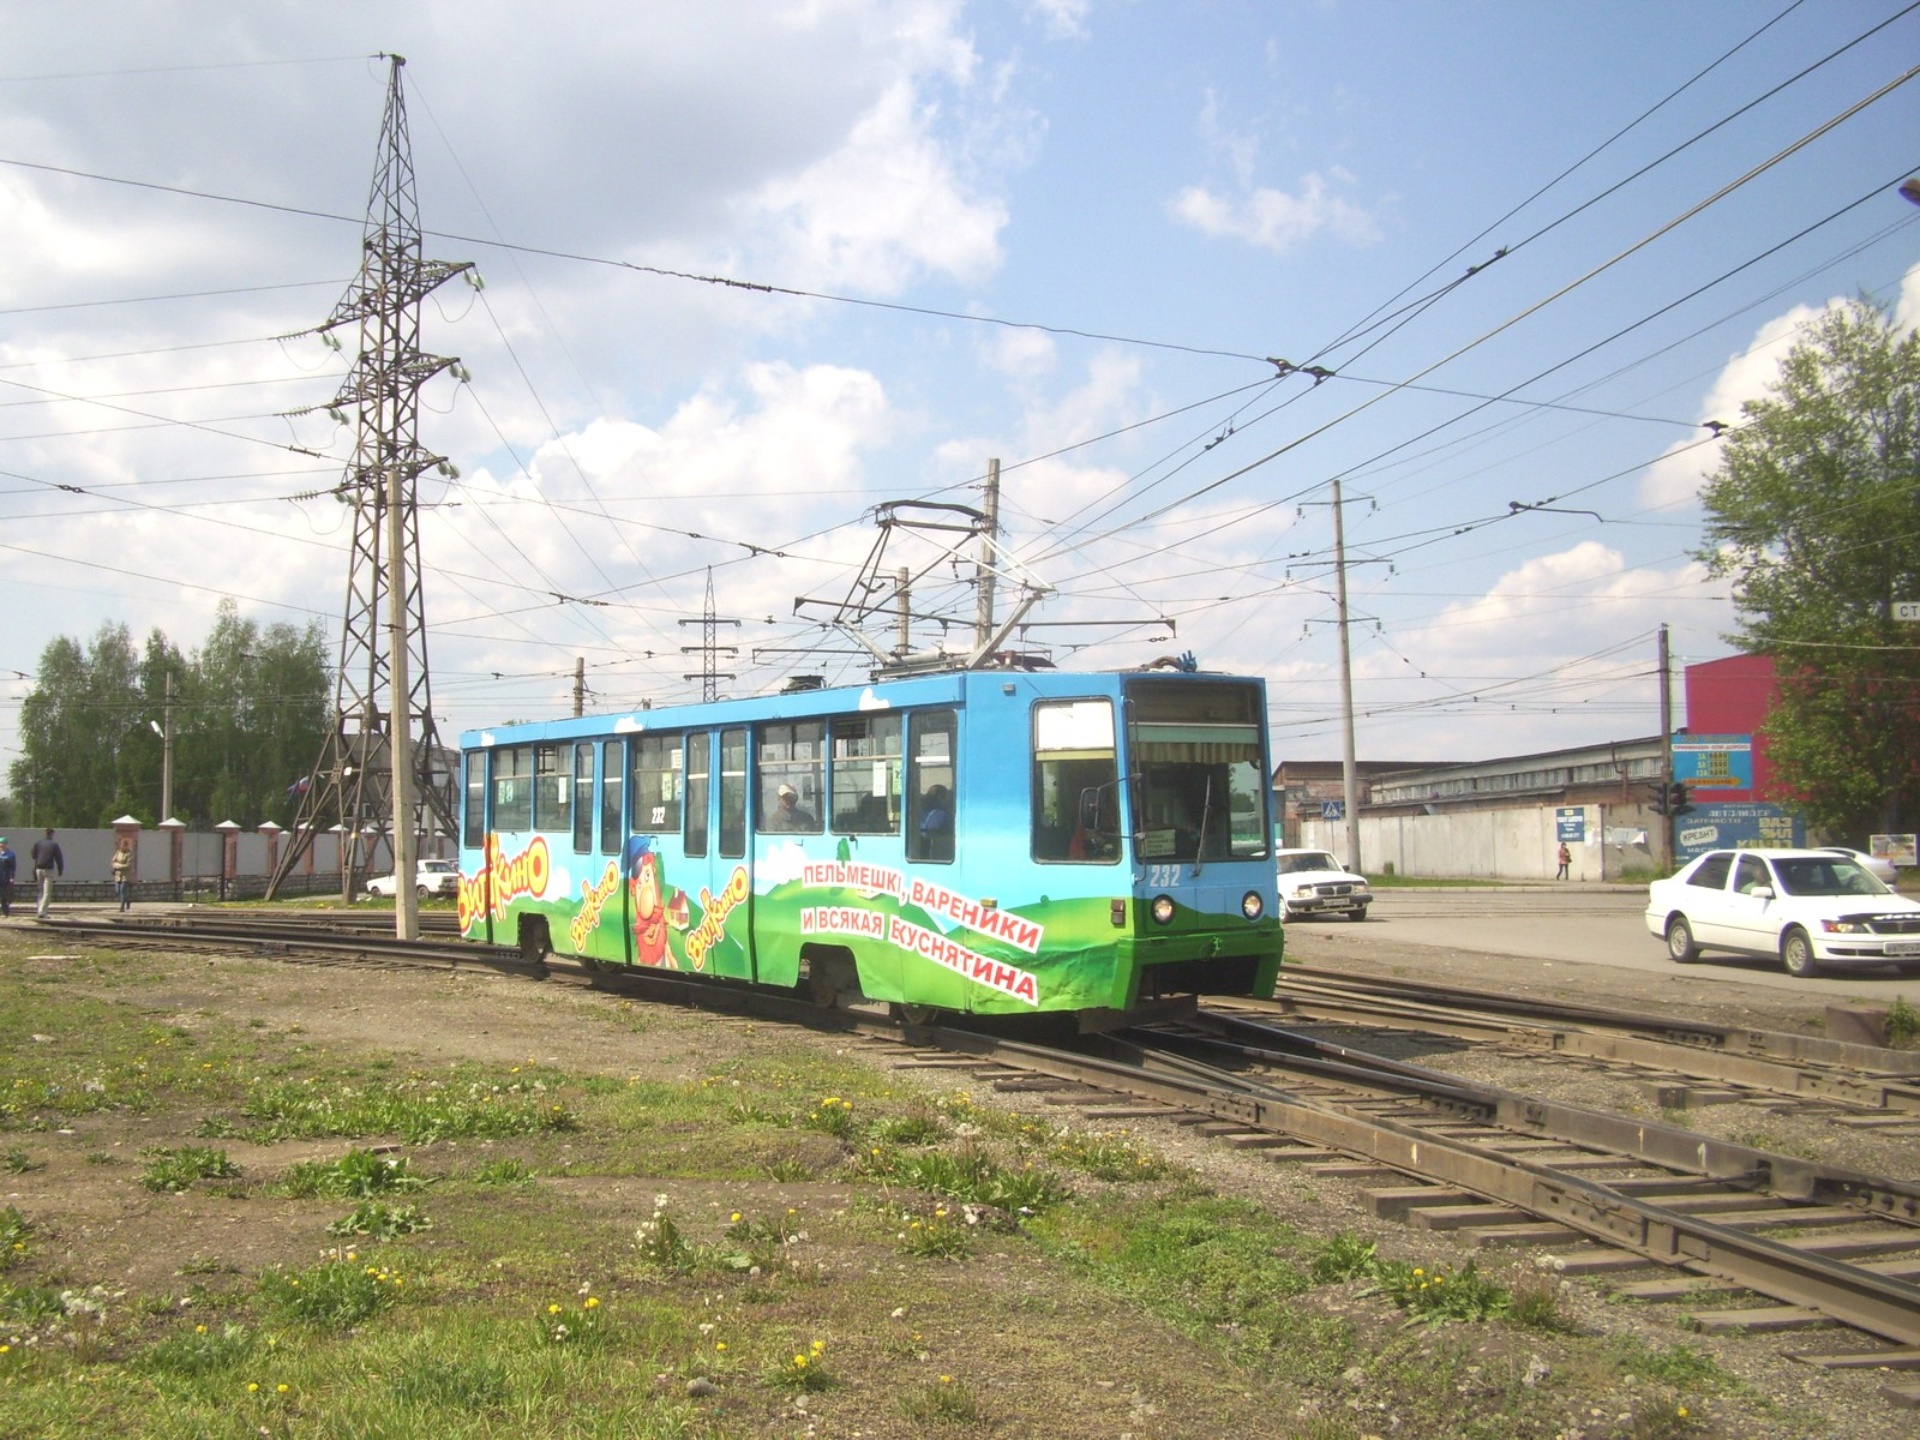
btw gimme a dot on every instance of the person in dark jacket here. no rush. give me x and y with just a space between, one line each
9 864
47 863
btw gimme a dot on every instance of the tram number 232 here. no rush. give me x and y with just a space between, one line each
1160 877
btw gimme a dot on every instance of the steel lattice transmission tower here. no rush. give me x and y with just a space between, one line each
377 769
709 675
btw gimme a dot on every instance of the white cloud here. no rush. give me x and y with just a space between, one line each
884 208
1063 19
1273 219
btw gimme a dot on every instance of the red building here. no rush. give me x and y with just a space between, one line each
1732 697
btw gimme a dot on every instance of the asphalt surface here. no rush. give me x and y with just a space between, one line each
1570 924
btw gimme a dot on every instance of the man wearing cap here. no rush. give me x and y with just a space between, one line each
789 814
9 864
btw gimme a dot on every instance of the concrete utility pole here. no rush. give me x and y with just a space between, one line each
579 686
989 533
1349 767
1666 754
375 772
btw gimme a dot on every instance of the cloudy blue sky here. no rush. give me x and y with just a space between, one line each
1533 246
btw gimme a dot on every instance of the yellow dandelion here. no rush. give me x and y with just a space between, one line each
592 1301
553 1309
1418 1271
735 1218
818 1346
720 1345
799 1362
946 1379
280 1389
252 1386
199 1329
1681 1412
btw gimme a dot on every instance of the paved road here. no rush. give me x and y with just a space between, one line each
1576 925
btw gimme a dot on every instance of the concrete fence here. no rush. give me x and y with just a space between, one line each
1519 843
172 862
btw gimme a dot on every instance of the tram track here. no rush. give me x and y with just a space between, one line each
1606 1195
1683 1062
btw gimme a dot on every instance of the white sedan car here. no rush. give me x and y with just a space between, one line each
1312 882
431 877
1877 866
1808 908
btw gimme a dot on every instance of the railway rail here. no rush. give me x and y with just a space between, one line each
1688 1062
1812 1245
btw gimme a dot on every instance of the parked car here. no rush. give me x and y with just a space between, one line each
1808 908
1877 866
431 877
1312 882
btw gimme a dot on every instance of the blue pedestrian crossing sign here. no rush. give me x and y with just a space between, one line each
1333 809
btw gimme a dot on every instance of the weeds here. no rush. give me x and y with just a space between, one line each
804 1370
1432 1296
578 1326
173 1171
355 1175
18 1162
945 1402
832 1116
1345 1257
335 1292
503 1172
14 1230
202 1351
379 1221
1903 1024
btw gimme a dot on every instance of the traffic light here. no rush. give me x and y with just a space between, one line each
1677 801
1658 800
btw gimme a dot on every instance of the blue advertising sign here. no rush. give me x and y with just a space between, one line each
1714 766
1570 824
1735 827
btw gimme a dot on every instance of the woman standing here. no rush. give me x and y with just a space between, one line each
123 873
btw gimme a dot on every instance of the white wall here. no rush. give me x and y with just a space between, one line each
1508 844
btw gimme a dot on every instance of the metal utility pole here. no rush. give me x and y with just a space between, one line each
1349 769
1666 754
709 624
164 729
989 533
903 601
376 769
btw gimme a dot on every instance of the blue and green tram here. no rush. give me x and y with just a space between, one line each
991 842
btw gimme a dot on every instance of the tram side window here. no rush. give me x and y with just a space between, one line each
1076 782
613 793
932 785
552 788
699 778
733 794
473 824
656 785
582 799
788 765
866 775
513 788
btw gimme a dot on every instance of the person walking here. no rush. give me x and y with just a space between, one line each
123 873
1566 862
47 863
9 864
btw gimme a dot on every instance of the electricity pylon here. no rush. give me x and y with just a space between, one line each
376 773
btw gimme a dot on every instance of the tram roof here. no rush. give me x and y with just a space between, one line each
949 687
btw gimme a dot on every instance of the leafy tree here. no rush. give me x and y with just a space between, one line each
249 710
75 726
1815 514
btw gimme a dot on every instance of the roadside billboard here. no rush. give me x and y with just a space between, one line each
1897 848
1751 826
1714 767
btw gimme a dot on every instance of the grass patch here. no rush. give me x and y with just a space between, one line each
338 1292
356 1174
173 1171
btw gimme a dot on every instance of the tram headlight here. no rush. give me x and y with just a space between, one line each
1251 905
1162 909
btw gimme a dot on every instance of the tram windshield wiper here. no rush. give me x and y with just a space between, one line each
1200 840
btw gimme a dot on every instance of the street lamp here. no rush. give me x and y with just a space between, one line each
166 765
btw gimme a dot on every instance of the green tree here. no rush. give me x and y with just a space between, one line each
249 710
1815 514
76 728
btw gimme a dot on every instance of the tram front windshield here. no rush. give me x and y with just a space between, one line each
1199 771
